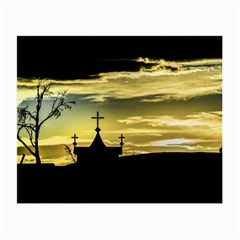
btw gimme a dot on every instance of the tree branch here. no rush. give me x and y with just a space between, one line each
30 114
31 126
25 145
69 151
57 106
30 134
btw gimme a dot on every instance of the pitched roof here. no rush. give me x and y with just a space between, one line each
98 147
97 142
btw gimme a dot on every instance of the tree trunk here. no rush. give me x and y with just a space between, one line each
23 156
38 159
37 155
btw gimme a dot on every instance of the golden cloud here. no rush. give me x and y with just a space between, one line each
204 125
160 83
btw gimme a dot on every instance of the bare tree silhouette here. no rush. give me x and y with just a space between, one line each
31 122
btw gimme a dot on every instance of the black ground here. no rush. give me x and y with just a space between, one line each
150 178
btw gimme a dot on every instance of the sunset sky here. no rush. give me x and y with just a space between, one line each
161 93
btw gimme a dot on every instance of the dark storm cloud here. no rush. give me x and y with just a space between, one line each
86 57
202 65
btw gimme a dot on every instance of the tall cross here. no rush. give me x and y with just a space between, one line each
74 137
98 117
122 137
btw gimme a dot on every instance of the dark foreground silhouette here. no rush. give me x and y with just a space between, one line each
149 178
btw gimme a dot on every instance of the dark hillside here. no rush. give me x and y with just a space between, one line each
148 178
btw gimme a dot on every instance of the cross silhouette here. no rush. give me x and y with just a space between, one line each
98 117
74 137
122 137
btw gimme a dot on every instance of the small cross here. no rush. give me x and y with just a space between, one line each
74 137
97 117
122 137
